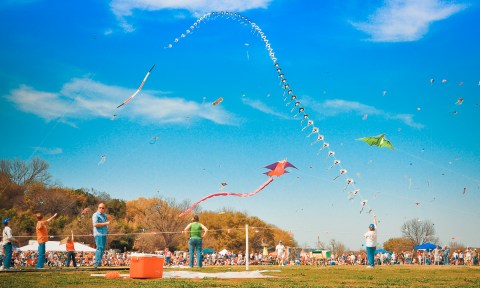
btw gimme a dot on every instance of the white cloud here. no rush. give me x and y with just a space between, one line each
49 151
125 8
406 20
83 98
337 106
262 107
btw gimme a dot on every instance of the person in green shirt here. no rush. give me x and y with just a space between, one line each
195 241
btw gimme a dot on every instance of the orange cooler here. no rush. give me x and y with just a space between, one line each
146 266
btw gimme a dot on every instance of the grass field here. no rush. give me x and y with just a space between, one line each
296 276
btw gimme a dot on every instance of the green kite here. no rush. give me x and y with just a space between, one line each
379 141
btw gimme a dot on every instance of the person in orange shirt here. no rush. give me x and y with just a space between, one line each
42 238
70 246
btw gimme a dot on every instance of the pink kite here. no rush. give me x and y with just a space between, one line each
277 169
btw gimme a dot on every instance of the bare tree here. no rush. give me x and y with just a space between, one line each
157 215
337 247
419 231
454 245
23 173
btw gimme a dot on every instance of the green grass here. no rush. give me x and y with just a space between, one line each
296 276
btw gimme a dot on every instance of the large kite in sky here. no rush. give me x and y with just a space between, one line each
276 169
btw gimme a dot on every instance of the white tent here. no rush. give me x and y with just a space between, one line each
55 246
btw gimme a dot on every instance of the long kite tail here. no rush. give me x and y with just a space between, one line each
139 88
227 194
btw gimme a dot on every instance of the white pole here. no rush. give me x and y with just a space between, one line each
247 256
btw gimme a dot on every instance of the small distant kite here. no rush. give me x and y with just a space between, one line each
432 81
363 203
444 81
248 55
222 185
277 169
335 162
139 88
154 140
379 141
342 172
104 158
352 194
459 101
218 101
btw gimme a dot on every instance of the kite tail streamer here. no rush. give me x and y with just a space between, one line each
226 194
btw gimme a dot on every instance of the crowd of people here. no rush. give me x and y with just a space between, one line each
468 257
11 259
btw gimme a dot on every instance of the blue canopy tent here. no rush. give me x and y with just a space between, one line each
426 246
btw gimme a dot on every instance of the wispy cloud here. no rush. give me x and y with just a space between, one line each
406 20
125 8
262 107
48 151
83 98
335 107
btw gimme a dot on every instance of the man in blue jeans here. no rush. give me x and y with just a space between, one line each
195 242
7 240
371 242
100 231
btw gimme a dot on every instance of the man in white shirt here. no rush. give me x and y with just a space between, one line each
280 249
7 241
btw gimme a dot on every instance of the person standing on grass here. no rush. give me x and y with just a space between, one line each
168 256
70 247
100 231
42 238
280 249
7 241
195 241
371 242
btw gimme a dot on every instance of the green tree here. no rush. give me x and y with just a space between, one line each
398 244
116 208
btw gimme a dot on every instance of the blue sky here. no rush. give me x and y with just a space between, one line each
359 68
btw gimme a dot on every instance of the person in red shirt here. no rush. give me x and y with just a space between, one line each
70 246
42 238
